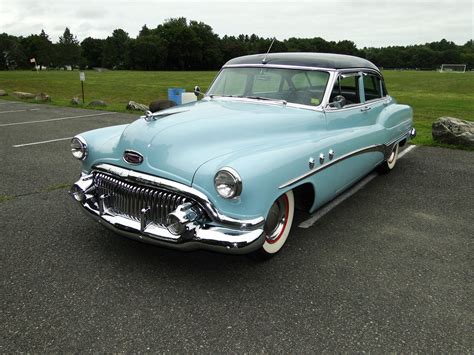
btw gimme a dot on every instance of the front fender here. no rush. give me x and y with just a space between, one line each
102 146
262 173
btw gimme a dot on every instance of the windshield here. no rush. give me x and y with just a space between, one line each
305 87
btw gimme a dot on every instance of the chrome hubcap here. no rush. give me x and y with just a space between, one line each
392 157
393 154
276 220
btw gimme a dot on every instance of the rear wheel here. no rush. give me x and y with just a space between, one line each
389 164
277 226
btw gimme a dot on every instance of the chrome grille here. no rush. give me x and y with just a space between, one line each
127 199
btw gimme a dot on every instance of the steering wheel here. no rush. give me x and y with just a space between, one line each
340 101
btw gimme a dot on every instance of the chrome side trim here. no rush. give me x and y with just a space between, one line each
382 148
372 148
201 198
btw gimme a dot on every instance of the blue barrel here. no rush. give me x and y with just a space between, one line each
174 94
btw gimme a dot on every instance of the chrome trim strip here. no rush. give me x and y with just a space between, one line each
372 148
278 66
301 67
382 148
343 70
328 90
386 99
268 102
201 198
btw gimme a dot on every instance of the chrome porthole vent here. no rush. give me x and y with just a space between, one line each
132 157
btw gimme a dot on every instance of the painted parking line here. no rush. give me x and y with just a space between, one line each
11 111
56 119
406 151
42 142
348 193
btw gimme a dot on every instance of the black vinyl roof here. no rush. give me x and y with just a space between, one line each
320 60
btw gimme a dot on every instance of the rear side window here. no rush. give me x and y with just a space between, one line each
372 87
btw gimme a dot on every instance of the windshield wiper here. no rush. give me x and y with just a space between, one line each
255 98
265 99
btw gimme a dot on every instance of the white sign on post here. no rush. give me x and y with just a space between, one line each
82 76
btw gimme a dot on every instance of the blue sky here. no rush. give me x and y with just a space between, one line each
367 23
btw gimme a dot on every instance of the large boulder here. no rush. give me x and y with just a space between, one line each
135 106
3 93
23 95
42 97
452 130
97 103
159 105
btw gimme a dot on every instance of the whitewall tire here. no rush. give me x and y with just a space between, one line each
277 225
391 161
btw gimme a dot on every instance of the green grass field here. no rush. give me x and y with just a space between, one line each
431 94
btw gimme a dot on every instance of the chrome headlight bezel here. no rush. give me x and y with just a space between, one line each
228 177
79 148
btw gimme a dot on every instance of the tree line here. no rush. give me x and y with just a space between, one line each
178 44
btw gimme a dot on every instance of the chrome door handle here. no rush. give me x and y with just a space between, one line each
366 108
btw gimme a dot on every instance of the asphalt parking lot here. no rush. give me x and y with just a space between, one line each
389 269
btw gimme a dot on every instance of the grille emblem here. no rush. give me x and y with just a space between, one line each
132 157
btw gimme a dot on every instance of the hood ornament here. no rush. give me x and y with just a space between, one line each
132 157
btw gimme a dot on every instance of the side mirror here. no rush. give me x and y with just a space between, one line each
197 91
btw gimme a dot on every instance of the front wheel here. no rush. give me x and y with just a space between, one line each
277 226
389 164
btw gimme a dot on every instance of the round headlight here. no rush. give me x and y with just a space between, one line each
79 148
228 183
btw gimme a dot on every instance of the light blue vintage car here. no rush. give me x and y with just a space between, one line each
274 133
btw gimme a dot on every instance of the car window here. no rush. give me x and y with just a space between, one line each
372 87
316 79
297 86
232 82
346 90
266 82
300 81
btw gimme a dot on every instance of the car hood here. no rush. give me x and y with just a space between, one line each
183 138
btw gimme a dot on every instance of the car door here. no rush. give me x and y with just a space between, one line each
352 123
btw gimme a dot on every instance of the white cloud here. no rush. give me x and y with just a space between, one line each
367 23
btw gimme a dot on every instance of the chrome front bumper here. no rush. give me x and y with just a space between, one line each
220 233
